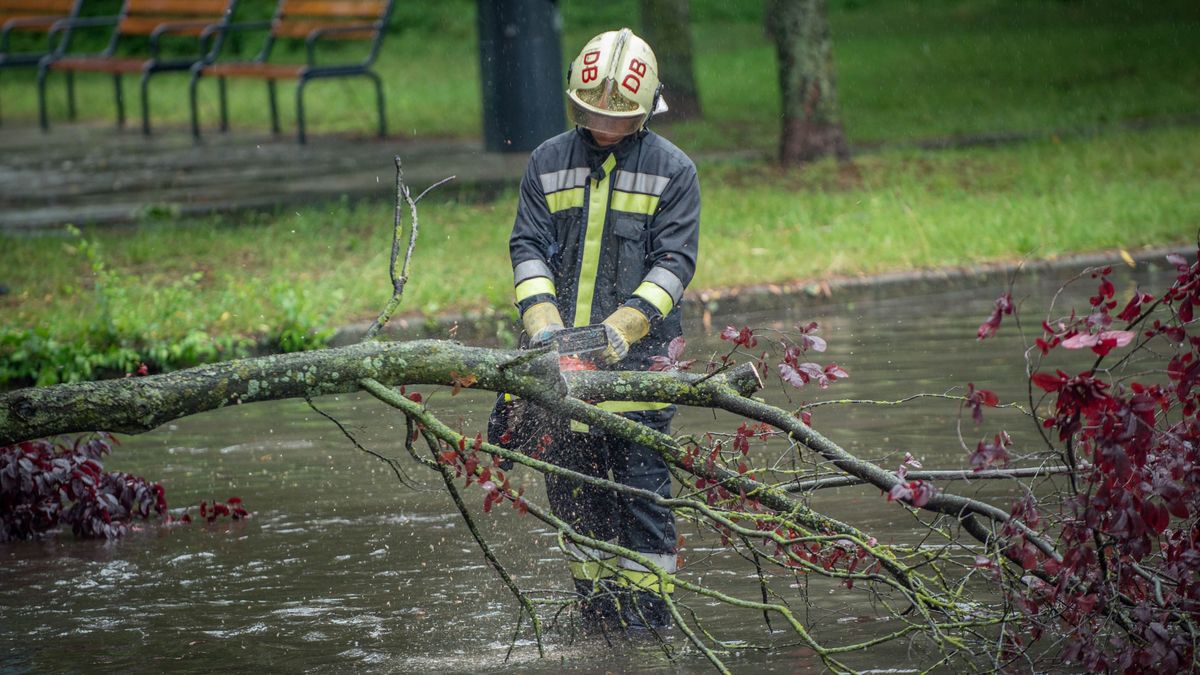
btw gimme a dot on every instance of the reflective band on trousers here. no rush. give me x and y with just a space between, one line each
644 581
592 569
667 562
655 295
532 287
589 563
619 407
597 210
630 406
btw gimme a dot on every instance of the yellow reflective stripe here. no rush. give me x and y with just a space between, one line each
579 427
597 209
645 581
532 287
564 199
633 202
591 570
655 295
630 406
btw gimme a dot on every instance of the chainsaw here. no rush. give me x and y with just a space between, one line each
518 425
582 341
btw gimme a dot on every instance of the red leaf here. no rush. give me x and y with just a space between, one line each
676 347
811 370
1134 308
1120 337
1003 305
1046 381
792 376
835 372
744 337
815 343
1080 340
1156 516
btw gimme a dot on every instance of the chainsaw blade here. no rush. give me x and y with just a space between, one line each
581 340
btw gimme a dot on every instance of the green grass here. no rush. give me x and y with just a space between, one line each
906 69
906 210
292 274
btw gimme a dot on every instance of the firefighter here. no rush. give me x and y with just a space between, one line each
606 231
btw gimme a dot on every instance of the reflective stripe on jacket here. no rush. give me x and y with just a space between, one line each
600 227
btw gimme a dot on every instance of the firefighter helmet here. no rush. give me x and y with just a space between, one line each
613 85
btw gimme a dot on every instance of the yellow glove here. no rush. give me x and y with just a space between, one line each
541 321
624 327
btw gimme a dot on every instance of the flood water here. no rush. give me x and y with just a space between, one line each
343 568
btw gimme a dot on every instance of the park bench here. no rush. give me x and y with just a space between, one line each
30 16
153 19
311 21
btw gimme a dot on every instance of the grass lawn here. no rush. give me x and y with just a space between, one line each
103 301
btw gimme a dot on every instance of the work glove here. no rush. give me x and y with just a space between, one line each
623 327
541 321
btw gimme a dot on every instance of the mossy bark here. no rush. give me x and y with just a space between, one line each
135 405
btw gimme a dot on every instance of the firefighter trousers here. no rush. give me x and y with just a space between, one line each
632 522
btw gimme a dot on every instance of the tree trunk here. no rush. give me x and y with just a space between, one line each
666 26
811 126
135 405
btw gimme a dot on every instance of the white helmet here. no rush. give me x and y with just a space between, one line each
613 84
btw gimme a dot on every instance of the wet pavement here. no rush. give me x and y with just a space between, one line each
90 174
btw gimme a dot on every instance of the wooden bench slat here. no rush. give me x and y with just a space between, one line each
99 65
145 25
178 7
266 71
36 7
362 9
300 29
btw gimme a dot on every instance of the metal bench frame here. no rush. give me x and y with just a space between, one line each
260 68
118 66
36 20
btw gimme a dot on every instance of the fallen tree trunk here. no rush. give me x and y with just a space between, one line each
136 405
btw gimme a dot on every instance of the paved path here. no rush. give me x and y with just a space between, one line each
94 174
